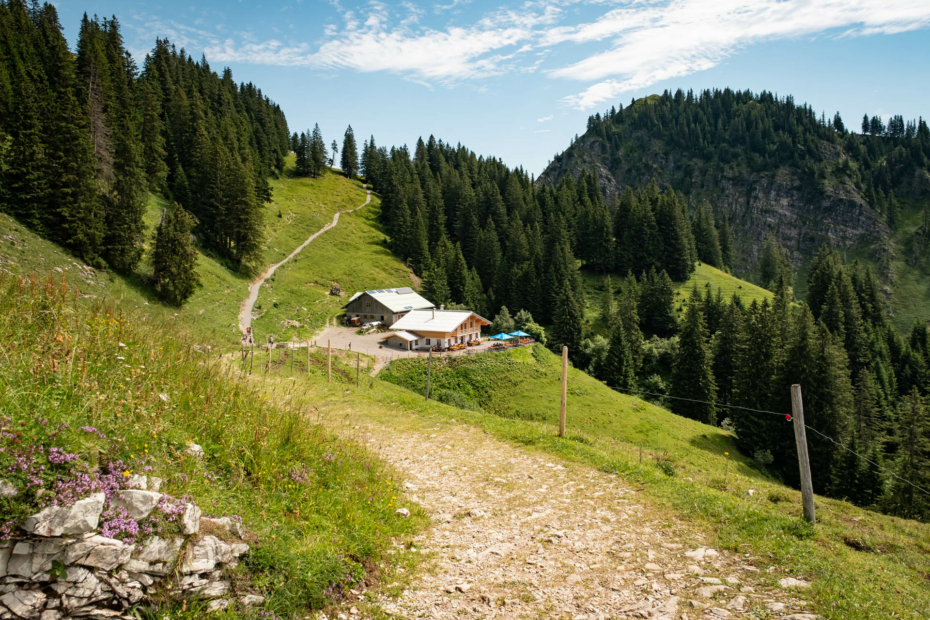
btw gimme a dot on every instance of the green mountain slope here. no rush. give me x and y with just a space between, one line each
770 167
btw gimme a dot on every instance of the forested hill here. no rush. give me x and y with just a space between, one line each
85 136
767 165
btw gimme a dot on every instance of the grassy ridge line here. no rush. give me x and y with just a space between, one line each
863 565
321 509
703 276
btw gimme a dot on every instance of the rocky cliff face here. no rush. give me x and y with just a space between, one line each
778 203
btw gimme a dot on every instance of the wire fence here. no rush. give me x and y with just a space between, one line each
787 417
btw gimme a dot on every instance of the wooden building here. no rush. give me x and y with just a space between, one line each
383 305
425 329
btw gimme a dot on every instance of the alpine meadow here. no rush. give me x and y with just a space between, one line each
255 366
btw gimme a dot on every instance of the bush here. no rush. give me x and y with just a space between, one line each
455 399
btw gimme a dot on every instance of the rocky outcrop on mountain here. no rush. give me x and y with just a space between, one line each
779 203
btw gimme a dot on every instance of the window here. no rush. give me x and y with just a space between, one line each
427 342
368 304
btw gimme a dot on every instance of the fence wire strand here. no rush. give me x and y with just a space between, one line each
785 415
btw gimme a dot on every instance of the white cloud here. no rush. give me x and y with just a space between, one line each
542 131
544 119
650 42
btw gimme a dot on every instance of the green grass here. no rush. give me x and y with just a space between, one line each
703 276
295 301
863 565
149 395
211 315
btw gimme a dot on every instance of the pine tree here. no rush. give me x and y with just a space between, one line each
436 284
774 264
913 459
25 184
726 245
317 152
619 367
302 152
349 154
628 316
726 352
153 138
568 320
692 376
657 304
609 310
706 239
174 258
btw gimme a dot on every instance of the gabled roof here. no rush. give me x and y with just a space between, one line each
396 299
435 320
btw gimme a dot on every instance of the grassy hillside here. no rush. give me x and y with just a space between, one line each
304 205
295 302
863 565
113 388
703 276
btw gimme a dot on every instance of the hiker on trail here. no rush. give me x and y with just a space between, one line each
248 336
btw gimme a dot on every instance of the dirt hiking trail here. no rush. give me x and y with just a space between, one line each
521 534
245 310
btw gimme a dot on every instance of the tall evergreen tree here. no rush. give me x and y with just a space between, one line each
317 151
349 154
174 258
619 367
692 377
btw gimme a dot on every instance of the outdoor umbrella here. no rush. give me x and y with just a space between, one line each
520 334
501 337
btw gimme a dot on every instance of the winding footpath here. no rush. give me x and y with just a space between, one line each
245 310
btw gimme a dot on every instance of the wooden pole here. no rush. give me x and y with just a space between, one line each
800 437
308 357
564 392
358 366
329 361
292 359
429 372
251 359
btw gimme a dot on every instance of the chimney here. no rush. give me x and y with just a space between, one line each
442 306
434 313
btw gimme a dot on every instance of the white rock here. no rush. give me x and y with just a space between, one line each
653 568
791 582
159 550
217 605
155 483
48 522
5 554
251 600
215 589
8 489
751 492
239 549
84 515
709 591
190 520
138 481
201 556
139 504
800 617
97 551
402 512
194 450
26 604
50 614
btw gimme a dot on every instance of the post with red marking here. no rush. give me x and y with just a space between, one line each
562 409
800 437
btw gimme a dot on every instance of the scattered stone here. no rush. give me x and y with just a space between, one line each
791 582
710 580
709 591
251 600
800 617
138 481
139 504
777 607
8 489
193 449
402 512
737 604
751 492
459 587
716 612
24 603
232 526
653 568
476 513
80 518
155 484
217 605
702 553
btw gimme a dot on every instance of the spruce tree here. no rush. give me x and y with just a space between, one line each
619 368
692 376
153 138
436 284
726 352
774 264
609 309
349 154
568 320
657 304
628 316
174 258
317 152
726 245
913 459
706 239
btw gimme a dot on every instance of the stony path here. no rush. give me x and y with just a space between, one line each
248 304
519 534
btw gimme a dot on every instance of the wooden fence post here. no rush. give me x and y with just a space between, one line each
329 361
308 357
429 372
358 366
800 437
564 392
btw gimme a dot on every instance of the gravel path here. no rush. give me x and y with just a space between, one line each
519 534
245 310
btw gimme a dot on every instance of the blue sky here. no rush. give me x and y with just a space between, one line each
518 80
